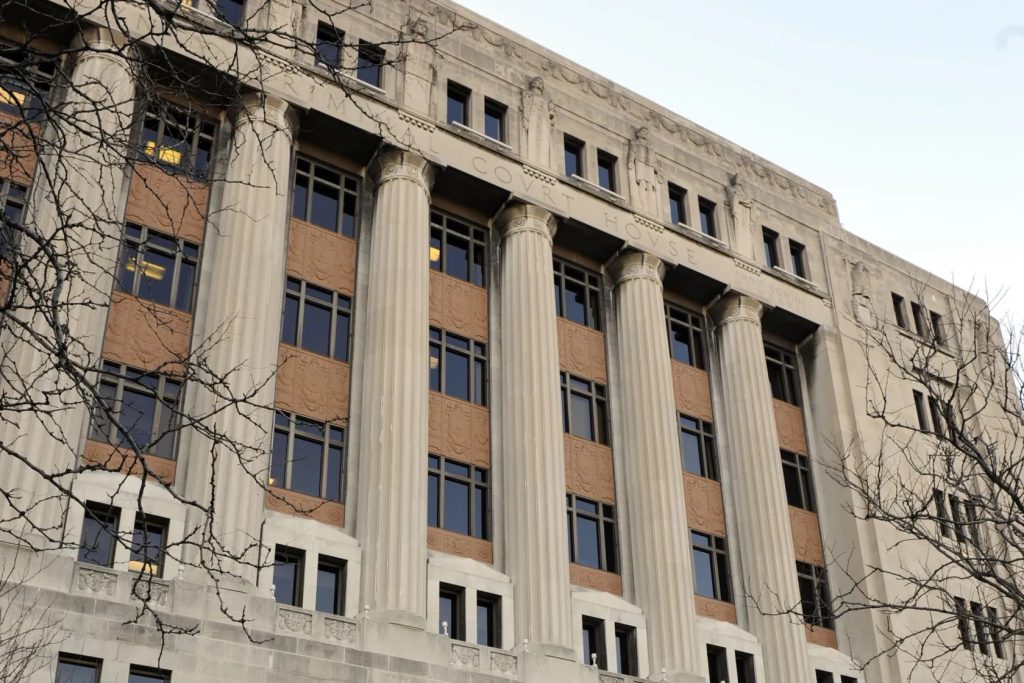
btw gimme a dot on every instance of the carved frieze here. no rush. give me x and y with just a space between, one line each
595 579
692 391
294 622
150 590
169 202
505 664
122 460
581 351
715 609
461 545
322 257
789 421
806 536
588 469
301 505
459 429
340 629
704 509
146 335
95 580
312 385
465 655
458 306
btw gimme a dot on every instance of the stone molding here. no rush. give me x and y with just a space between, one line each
637 265
581 351
458 544
588 469
458 306
705 510
692 391
312 385
321 257
789 423
519 218
397 164
302 505
715 609
735 307
459 429
595 579
124 461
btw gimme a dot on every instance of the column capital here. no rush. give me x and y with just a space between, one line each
260 106
527 218
637 265
735 307
393 164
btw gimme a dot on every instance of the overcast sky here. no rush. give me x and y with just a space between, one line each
911 112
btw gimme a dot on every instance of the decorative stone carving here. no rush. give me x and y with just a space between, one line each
122 460
458 306
806 536
506 664
581 351
692 391
312 385
588 469
825 637
609 678
146 335
458 544
459 429
543 177
704 509
301 505
715 609
789 422
743 265
739 203
418 62
97 581
595 579
150 590
538 120
645 176
322 257
340 629
465 655
296 622
860 279
169 202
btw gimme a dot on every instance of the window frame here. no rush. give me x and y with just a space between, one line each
328 34
340 306
919 314
605 517
140 239
800 464
370 59
80 660
122 377
899 307
139 559
677 205
340 569
607 171
286 423
798 259
937 328
717 552
704 432
35 85
146 674
596 395
478 479
348 188
14 195
575 149
457 625
491 603
784 362
629 664
462 96
706 210
592 630
498 112
197 129
592 286
822 615
442 227
290 555
107 518
475 353
771 247
693 325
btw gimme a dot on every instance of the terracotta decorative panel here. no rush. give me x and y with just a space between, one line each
581 351
302 505
169 202
146 335
715 609
322 257
312 385
18 139
704 509
121 460
588 469
806 536
692 390
598 580
5 281
789 421
825 637
459 430
458 306
458 544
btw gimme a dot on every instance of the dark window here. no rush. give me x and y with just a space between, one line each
771 247
941 513
935 412
12 205
718 665
458 249
995 631
308 456
606 170
706 207
288 568
26 77
324 196
231 11
697 447
685 336
676 204
137 410
899 308
745 668
920 321
78 669
488 619
980 627
796 470
457 497
711 566
592 533
922 411
593 643
782 375
814 595
458 103
329 41
369 63
584 408
99 534
573 157
938 331
962 623
798 259
957 515
177 140
158 267
451 611
823 676
316 319
625 650
330 585
140 674
972 521
494 119
149 541
458 366
847 679
577 294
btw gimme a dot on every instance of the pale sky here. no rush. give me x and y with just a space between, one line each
911 112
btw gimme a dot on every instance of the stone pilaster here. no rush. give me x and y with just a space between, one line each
391 520
242 293
532 456
758 492
662 560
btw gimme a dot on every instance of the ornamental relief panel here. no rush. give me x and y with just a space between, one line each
322 257
704 509
459 429
692 391
588 469
581 351
458 306
789 422
146 335
715 609
457 544
312 385
825 637
169 202
595 579
19 140
806 536
302 505
122 460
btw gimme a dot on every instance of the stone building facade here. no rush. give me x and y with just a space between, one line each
673 414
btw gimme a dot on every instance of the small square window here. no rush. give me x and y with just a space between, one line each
938 331
917 311
707 217
494 119
328 45
677 204
606 170
823 677
573 157
798 259
369 64
458 103
771 247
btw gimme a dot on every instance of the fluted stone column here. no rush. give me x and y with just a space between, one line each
533 461
243 281
391 520
662 560
76 203
758 490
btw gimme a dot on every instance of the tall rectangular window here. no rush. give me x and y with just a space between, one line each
573 157
710 566
231 11
697 447
706 207
606 164
325 196
685 336
814 595
288 569
458 497
938 329
370 63
917 312
577 294
308 456
941 513
316 319
330 585
149 541
745 668
592 539
157 267
995 632
451 611
329 42
823 676
798 259
584 408
12 204
99 534
677 204
625 650
922 411
488 619
137 410
594 653
899 309
782 374
938 418
78 669
26 81
718 664
458 366
796 471
962 622
458 103
980 627
145 674
494 119
957 514
458 249
771 247
177 140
